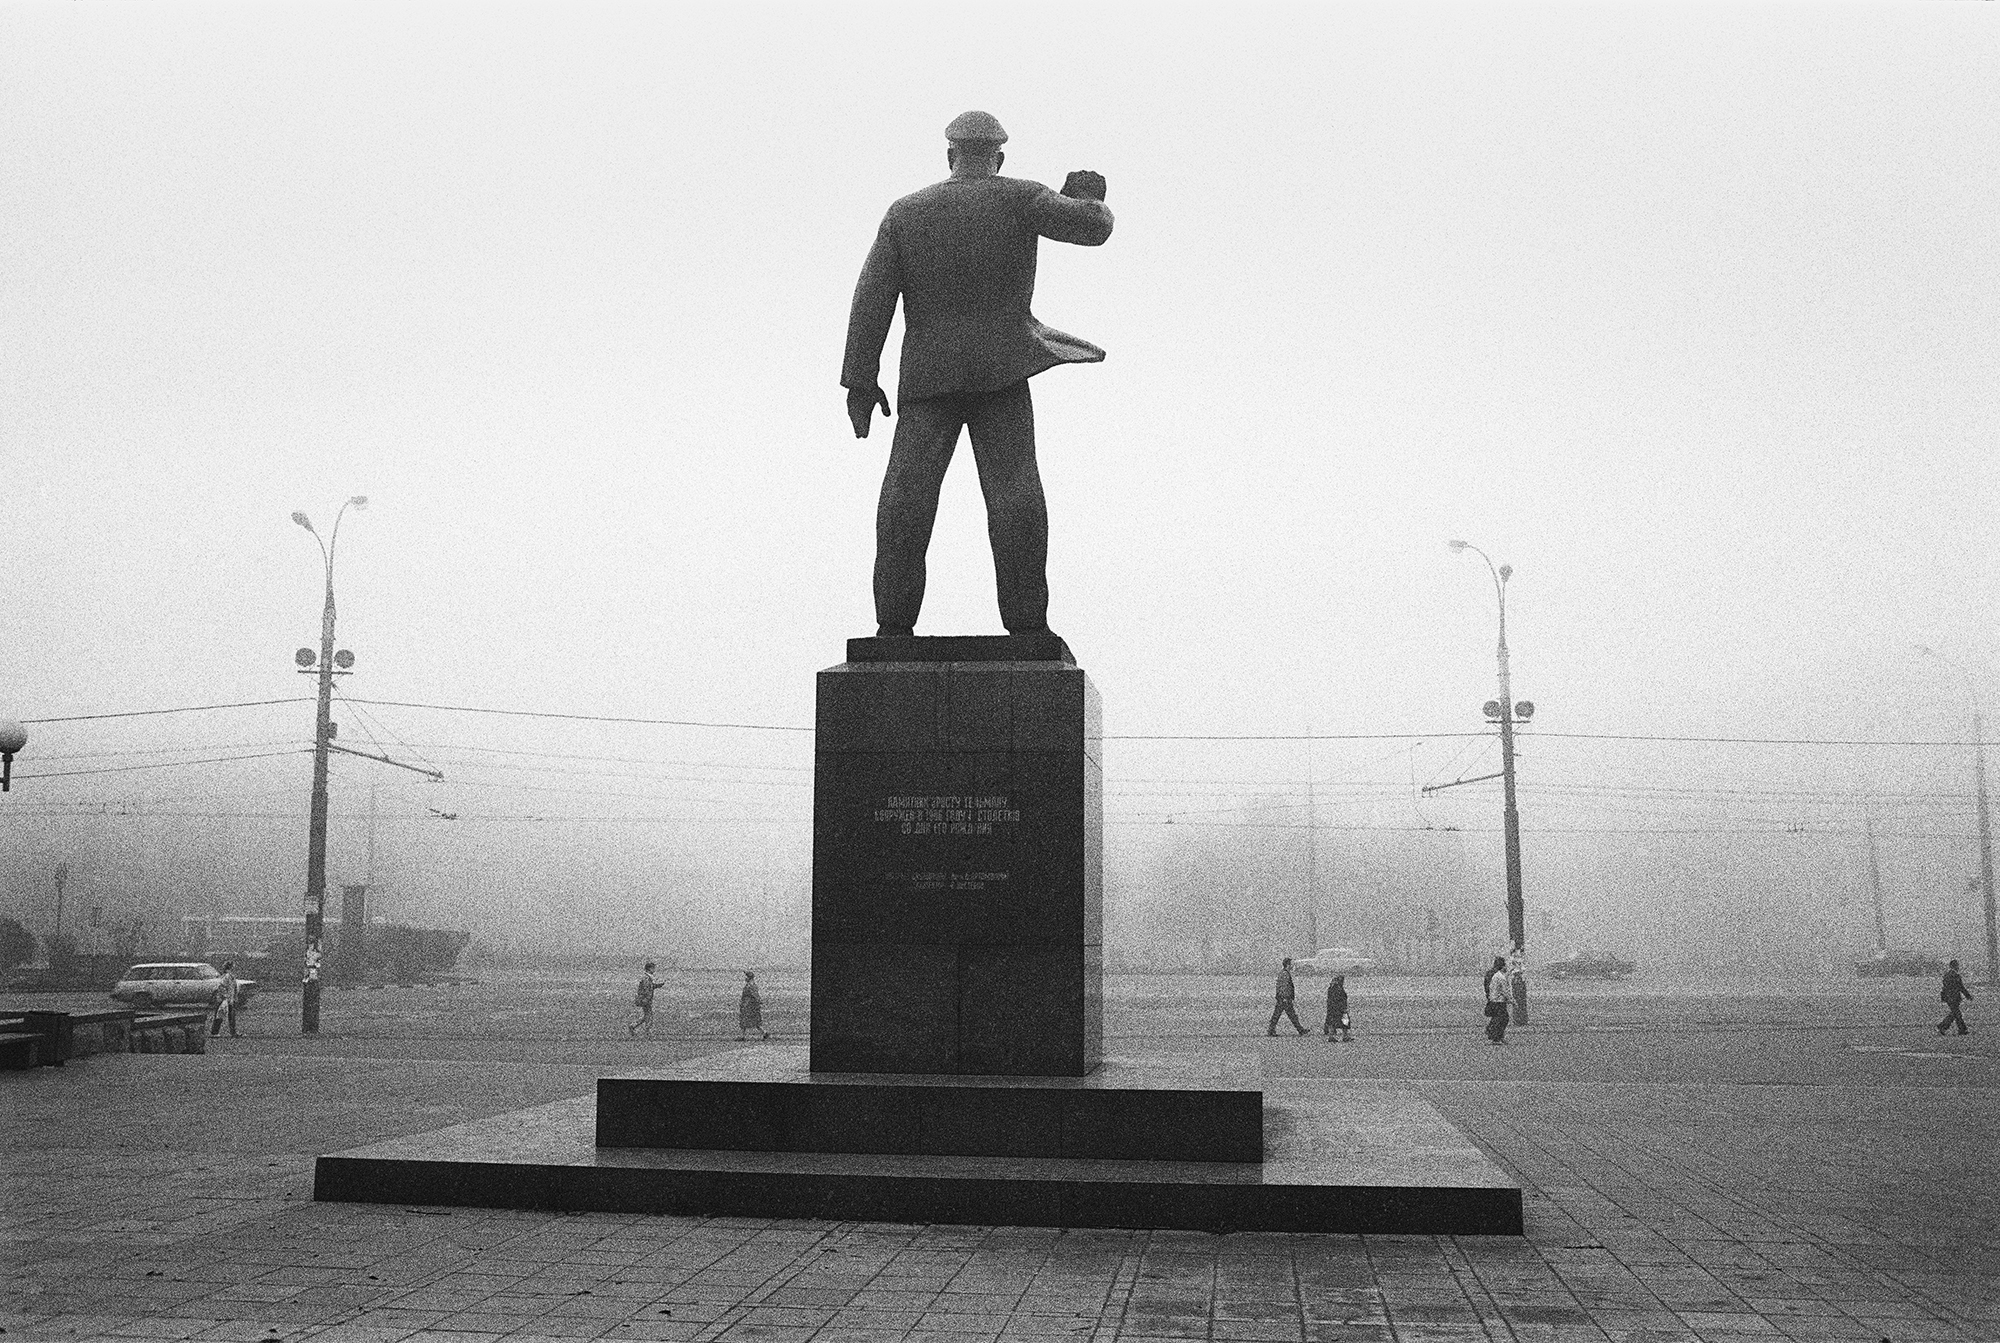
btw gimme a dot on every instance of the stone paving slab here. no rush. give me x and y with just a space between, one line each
151 1196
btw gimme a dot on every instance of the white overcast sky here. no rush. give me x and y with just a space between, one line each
1686 311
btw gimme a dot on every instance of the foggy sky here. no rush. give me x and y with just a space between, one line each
1687 312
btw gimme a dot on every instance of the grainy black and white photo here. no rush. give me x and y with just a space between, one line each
831 672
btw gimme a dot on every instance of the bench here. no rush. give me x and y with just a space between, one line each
19 1049
44 1039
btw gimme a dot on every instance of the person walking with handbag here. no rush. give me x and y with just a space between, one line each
1336 1010
1952 994
1496 985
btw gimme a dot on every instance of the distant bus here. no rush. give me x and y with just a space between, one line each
1332 961
1583 965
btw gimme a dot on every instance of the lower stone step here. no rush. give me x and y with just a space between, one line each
1356 1161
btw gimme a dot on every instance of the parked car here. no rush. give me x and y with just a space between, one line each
1915 963
1333 961
176 984
1585 965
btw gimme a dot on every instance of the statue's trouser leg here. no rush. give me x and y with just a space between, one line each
1017 517
926 434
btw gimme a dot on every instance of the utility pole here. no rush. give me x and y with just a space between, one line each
1875 887
315 900
316 824
1517 915
1507 712
374 815
1312 853
62 879
1979 807
1985 845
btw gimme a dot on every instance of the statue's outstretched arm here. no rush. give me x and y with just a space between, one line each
1075 215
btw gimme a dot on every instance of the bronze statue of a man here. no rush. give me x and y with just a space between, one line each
961 255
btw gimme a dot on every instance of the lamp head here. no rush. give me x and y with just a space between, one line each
12 737
1458 546
1506 572
304 522
359 501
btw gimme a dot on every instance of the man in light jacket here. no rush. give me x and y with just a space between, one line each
961 257
224 1001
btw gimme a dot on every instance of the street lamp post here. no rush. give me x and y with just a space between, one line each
1979 808
1507 713
12 738
315 901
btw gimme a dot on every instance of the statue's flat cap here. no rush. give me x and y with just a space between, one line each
976 126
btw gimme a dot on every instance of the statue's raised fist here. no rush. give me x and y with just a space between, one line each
1084 184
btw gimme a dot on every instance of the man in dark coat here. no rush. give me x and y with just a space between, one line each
1285 992
961 256
1953 993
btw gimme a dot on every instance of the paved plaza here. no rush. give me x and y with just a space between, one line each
1700 1167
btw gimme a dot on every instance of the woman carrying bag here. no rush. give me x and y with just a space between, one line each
1497 980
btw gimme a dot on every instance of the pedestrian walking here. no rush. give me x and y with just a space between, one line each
642 1003
222 1004
1284 1007
1496 985
1953 993
750 1009
1336 1010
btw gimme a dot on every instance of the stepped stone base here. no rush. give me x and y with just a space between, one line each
1346 1160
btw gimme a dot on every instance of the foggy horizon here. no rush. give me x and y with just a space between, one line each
1685 312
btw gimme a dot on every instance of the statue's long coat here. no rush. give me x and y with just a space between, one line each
961 255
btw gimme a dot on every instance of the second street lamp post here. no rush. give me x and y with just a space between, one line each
1507 712
315 901
1979 808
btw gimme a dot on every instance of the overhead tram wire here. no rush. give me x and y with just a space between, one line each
613 759
1931 743
462 819
185 708
1775 828
367 718
579 717
164 750
162 764
628 774
1221 736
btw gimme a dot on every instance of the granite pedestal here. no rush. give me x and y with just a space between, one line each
957 860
